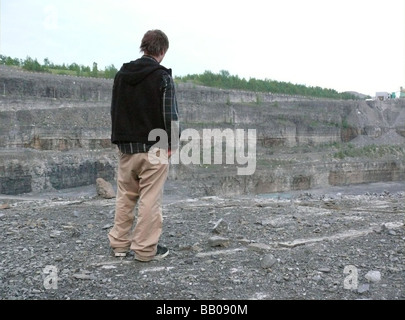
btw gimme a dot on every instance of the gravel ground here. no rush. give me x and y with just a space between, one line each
336 244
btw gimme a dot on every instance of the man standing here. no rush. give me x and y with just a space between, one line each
143 100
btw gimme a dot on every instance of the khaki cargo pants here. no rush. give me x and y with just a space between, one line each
139 181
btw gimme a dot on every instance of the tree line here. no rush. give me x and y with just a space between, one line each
31 64
223 79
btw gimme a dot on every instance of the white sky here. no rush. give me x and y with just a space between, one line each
346 45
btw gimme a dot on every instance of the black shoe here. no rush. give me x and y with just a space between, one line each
161 252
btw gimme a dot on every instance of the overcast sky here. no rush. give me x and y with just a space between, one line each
346 45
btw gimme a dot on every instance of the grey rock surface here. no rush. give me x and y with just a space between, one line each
54 246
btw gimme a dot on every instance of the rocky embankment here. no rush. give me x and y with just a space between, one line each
55 134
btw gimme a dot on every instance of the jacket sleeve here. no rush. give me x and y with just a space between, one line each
170 112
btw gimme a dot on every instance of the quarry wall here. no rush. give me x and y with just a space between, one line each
55 134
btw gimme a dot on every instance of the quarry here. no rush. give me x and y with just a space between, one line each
55 134
326 197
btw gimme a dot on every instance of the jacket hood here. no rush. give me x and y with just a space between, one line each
135 71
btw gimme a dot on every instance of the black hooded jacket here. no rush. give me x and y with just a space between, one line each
137 101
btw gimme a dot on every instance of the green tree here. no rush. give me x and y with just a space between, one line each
74 67
47 63
110 71
32 64
224 73
85 69
94 71
8 61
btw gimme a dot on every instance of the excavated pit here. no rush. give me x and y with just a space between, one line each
55 134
